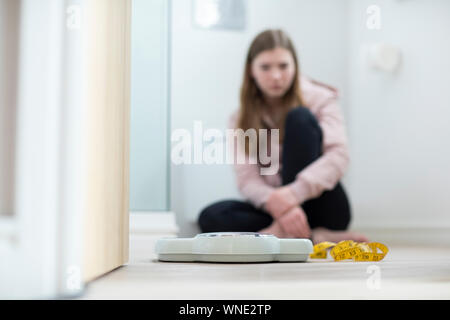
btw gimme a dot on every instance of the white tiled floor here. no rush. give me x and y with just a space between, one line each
405 273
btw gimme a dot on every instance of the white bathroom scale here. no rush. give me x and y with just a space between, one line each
233 247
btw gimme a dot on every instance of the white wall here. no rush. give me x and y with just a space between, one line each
400 122
207 68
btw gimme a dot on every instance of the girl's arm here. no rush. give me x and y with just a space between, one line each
249 181
251 185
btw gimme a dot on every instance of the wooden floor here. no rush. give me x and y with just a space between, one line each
405 273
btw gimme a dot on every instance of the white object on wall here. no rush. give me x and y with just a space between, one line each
384 57
219 14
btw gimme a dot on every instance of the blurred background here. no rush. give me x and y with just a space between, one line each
396 114
388 58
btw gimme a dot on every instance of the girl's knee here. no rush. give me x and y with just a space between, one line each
301 117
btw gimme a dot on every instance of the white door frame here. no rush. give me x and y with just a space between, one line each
41 244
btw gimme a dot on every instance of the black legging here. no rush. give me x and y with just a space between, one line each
302 145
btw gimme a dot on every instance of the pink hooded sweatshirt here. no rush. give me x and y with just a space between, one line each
324 173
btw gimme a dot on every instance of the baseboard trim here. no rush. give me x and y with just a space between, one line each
164 223
153 223
436 236
8 228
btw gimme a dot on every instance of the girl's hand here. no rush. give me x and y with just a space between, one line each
295 223
280 201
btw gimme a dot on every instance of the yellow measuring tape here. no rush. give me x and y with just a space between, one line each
349 249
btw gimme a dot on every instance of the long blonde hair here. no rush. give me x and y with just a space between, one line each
251 98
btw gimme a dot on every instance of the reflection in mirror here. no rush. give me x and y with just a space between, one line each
9 27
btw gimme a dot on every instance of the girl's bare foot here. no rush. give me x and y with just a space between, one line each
322 234
274 229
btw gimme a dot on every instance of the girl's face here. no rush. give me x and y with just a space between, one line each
274 70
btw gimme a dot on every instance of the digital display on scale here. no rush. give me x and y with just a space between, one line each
233 234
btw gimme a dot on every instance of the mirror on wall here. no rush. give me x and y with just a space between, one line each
149 145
